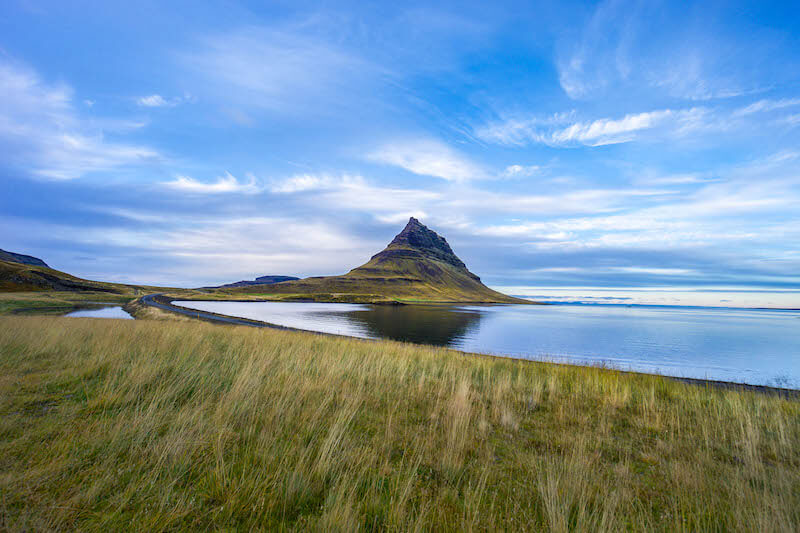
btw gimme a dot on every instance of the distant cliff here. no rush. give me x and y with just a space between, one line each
261 280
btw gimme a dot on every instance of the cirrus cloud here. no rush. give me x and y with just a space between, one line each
557 131
42 131
224 184
428 157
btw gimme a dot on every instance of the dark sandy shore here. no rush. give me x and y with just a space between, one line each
161 302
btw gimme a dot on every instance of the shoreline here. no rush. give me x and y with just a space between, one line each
164 303
665 306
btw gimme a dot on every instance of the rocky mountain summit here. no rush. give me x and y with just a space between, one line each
416 250
427 242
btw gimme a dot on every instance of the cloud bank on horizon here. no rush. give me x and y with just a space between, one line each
613 146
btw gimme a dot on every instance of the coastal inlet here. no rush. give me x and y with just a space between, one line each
758 347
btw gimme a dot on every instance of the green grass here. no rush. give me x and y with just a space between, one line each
153 425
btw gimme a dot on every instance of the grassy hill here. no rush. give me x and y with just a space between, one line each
418 265
19 277
31 288
12 257
112 425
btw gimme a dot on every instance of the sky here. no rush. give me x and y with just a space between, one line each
642 152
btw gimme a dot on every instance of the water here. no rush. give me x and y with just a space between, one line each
114 311
748 346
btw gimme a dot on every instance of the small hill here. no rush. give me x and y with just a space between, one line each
261 280
18 277
22 259
418 265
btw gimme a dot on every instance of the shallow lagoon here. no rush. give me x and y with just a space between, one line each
743 345
113 311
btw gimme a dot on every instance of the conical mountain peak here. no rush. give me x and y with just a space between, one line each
432 245
417 265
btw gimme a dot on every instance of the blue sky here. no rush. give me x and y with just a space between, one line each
608 150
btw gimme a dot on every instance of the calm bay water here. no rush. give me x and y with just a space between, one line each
748 346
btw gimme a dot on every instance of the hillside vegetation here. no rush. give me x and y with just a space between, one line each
13 257
418 265
20 277
31 288
145 425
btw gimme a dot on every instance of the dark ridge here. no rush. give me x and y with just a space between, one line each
274 279
261 280
21 259
432 245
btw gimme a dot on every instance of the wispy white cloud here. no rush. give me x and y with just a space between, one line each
41 130
641 48
619 270
766 105
519 129
281 71
598 54
651 177
428 158
608 131
564 129
792 120
354 193
378 200
520 171
555 132
156 100
755 202
692 76
453 204
563 203
315 182
224 184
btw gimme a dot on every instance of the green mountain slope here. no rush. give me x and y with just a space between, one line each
19 277
12 257
417 265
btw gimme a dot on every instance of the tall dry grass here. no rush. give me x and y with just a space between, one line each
122 425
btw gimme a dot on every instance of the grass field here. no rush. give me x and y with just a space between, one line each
154 425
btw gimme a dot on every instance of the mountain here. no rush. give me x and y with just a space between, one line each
22 259
261 280
18 277
418 265
20 273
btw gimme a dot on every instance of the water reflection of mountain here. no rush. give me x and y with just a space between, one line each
422 324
